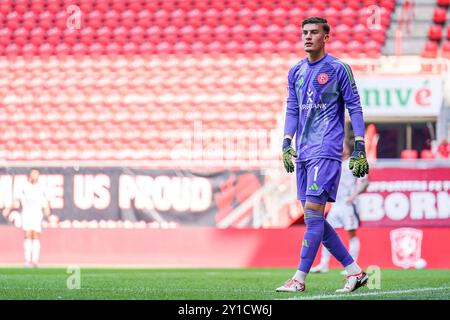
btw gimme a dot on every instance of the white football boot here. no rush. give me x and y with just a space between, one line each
292 285
354 282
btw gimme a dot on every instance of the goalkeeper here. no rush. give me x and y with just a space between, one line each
320 88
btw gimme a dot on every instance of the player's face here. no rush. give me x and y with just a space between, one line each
34 176
313 37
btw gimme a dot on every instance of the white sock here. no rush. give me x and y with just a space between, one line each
28 247
325 257
300 276
353 247
36 250
353 268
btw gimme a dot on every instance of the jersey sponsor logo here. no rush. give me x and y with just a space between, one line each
300 81
322 78
310 94
406 245
310 102
305 243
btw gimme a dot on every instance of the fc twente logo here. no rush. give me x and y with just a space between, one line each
406 246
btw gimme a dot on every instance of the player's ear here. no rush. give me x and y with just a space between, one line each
325 39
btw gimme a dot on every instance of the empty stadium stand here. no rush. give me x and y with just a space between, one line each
130 82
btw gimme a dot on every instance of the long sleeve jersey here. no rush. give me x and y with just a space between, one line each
318 93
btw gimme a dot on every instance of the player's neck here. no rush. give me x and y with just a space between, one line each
315 56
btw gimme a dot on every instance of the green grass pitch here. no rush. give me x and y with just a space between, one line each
211 284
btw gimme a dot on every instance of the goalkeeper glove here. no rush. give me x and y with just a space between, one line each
358 162
288 151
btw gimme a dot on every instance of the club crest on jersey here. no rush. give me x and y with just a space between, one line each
406 245
322 78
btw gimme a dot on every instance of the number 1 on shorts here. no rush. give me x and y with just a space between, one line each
316 170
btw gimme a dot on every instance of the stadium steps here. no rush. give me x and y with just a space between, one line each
412 42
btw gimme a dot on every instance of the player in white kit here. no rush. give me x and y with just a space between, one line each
34 205
343 213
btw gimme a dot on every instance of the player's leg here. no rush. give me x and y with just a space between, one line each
328 173
36 248
314 220
354 244
27 247
351 224
334 221
293 284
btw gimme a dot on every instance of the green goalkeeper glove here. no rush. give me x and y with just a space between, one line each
358 161
288 151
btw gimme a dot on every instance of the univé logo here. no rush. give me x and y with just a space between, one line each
406 246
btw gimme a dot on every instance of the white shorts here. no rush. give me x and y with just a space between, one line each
32 222
343 215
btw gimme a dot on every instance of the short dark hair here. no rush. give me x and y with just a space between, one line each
322 21
33 169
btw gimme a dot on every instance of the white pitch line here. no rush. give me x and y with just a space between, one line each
374 293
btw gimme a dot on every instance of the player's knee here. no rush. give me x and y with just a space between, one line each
352 233
316 202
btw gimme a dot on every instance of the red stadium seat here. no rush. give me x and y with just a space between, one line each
144 19
94 19
211 17
443 3
111 19
120 35
448 32
113 49
46 49
29 20
29 50
435 32
153 34
239 33
194 18
37 36
256 32
137 35
279 17
118 6
187 34
427 154
170 34
409 154
62 49
292 33
128 19
440 15
96 49
12 20
103 35
274 33
135 5
262 17
46 20
130 48
446 49
20 36
5 37
87 35
245 17
222 33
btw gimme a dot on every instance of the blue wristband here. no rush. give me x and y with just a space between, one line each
360 146
286 143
